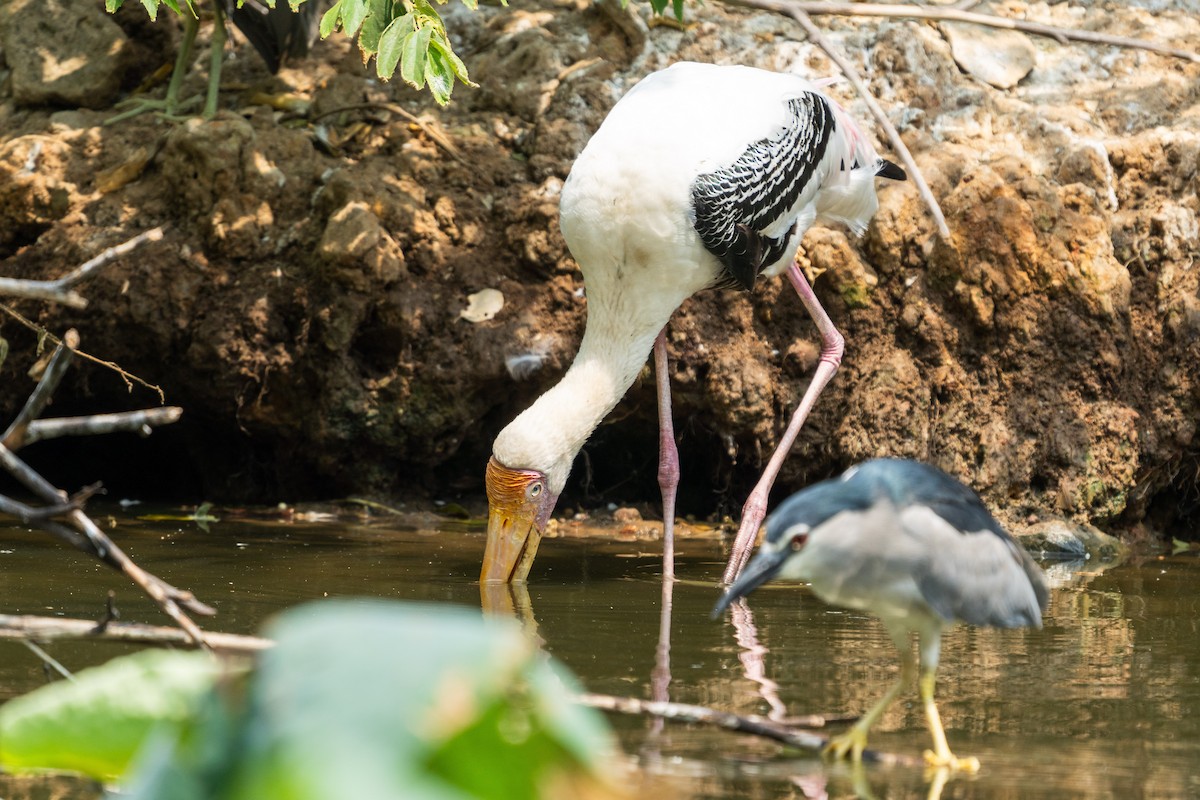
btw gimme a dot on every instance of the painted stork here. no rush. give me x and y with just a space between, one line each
700 176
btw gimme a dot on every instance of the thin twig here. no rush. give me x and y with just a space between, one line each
793 10
59 290
96 424
49 659
438 137
682 712
128 377
13 438
945 14
47 629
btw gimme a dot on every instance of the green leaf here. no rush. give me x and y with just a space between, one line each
414 58
329 19
377 20
440 75
353 13
678 7
659 6
390 46
151 7
379 699
428 15
456 65
112 6
97 723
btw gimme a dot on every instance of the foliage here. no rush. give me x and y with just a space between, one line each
96 724
365 699
408 34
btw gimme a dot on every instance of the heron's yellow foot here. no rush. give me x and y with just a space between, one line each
849 745
951 762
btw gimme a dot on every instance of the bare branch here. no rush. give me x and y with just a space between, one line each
47 629
59 291
28 514
13 438
945 14
682 712
130 421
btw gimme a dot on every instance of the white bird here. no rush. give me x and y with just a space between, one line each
700 176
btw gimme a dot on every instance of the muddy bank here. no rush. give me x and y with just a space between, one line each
304 305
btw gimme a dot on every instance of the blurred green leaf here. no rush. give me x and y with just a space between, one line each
387 700
678 9
96 723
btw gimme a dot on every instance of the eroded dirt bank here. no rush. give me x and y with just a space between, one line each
304 304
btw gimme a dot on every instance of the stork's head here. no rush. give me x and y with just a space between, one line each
520 502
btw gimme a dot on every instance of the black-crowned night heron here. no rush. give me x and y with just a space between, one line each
701 176
916 548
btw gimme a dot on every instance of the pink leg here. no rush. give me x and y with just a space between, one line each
668 454
832 347
668 482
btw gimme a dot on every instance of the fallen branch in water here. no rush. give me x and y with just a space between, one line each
63 515
48 629
682 712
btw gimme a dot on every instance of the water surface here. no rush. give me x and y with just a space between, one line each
1103 702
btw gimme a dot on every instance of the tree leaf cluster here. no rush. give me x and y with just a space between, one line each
404 35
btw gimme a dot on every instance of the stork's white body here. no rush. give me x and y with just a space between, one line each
627 215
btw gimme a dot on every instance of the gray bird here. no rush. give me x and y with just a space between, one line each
916 548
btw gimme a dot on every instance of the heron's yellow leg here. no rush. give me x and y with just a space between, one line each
854 741
940 755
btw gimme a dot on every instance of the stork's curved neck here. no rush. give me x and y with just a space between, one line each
549 434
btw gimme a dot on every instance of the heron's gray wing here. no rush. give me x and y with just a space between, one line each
735 204
981 577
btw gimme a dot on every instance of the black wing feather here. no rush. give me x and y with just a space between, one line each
735 204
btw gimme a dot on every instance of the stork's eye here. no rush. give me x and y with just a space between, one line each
798 540
535 490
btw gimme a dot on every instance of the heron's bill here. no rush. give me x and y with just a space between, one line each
512 542
763 567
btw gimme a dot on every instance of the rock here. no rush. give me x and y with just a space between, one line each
1062 538
998 57
63 52
829 252
355 242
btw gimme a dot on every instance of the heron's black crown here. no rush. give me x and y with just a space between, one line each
900 483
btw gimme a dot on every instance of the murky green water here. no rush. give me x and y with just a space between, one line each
1103 702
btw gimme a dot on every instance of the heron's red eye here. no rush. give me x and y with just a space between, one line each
798 540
